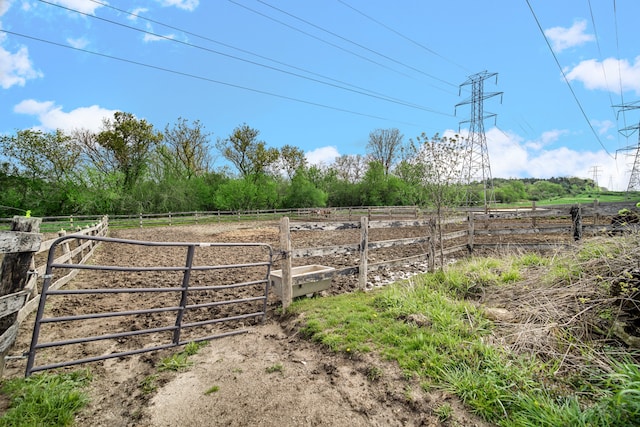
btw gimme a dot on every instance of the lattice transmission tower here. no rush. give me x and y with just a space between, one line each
476 166
634 179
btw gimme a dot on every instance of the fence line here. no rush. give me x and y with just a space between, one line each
19 273
362 248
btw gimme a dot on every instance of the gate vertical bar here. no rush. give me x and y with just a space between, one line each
48 275
183 298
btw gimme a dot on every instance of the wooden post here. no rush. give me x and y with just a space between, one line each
65 245
140 219
471 231
364 252
596 212
170 222
432 244
576 222
14 275
285 246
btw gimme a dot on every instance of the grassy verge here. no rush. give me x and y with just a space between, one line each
45 400
432 332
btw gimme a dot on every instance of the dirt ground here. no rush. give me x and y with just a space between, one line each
266 376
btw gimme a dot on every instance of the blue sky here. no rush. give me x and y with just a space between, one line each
322 74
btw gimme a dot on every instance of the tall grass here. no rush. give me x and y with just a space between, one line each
50 400
426 326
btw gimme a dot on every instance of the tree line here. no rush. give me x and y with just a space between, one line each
128 167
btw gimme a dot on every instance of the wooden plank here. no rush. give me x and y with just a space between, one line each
8 338
520 231
538 213
19 241
447 251
324 250
455 235
398 223
397 242
530 246
326 226
12 302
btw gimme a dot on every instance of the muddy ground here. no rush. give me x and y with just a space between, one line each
266 376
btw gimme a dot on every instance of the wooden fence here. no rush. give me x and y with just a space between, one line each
362 245
74 222
24 260
527 228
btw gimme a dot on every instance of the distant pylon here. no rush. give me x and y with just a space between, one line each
476 166
634 179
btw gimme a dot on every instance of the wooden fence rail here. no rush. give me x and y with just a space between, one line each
362 248
19 272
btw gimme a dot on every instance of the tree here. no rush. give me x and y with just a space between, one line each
350 167
291 160
122 146
439 162
250 156
186 149
302 193
384 146
49 156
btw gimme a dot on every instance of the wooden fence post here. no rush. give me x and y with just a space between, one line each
140 219
364 252
471 231
14 275
432 244
285 245
65 245
576 222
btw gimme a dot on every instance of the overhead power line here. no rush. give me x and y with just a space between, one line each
564 76
187 32
361 46
207 79
420 45
361 92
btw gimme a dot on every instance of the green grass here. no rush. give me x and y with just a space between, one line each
45 400
180 361
212 389
426 326
278 367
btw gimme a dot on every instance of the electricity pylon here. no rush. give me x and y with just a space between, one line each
476 166
634 179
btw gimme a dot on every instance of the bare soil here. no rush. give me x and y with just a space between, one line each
266 376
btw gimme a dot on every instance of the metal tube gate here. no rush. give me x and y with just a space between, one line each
49 289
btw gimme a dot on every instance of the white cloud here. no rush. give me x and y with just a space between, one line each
189 5
153 38
79 43
135 12
16 68
564 38
4 6
52 116
83 6
322 155
512 156
603 126
594 74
